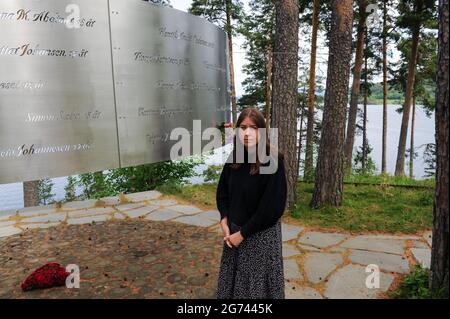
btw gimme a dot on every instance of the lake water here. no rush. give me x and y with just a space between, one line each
11 195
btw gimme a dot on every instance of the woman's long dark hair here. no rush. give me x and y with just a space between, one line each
258 118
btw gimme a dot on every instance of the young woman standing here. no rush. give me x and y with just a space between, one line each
251 205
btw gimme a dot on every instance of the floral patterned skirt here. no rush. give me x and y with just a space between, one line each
254 270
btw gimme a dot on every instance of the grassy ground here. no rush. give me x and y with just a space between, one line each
365 208
384 179
415 286
370 208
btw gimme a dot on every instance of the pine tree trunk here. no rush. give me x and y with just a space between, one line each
330 163
285 72
299 148
268 87
439 254
352 114
385 91
411 146
309 154
400 164
30 194
366 92
230 61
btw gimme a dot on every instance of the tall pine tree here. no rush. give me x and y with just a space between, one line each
414 15
328 186
258 29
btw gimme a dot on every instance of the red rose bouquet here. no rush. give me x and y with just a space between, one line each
49 275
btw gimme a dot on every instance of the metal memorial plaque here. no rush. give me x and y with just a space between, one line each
57 114
169 69
88 85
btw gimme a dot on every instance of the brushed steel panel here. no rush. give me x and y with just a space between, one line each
60 102
60 87
169 69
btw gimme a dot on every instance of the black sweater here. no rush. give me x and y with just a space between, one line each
253 202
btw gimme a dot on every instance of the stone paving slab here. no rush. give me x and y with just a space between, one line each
186 209
91 212
422 256
291 270
80 204
9 231
211 214
162 214
392 246
7 223
141 196
290 232
140 212
388 262
195 220
428 235
290 250
88 219
321 239
40 225
420 244
57 217
308 248
295 291
111 200
163 202
119 216
128 206
319 265
349 282
339 250
37 210
5 214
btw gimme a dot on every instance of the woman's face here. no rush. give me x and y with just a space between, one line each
248 132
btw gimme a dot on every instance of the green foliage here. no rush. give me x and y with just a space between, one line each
426 198
258 29
295 212
367 208
203 194
172 187
160 2
44 190
395 96
389 180
70 194
148 176
416 286
420 17
215 11
416 14
212 173
429 158
369 167
94 185
425 80
306 12
136 178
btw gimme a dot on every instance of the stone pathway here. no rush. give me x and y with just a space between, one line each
146 245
